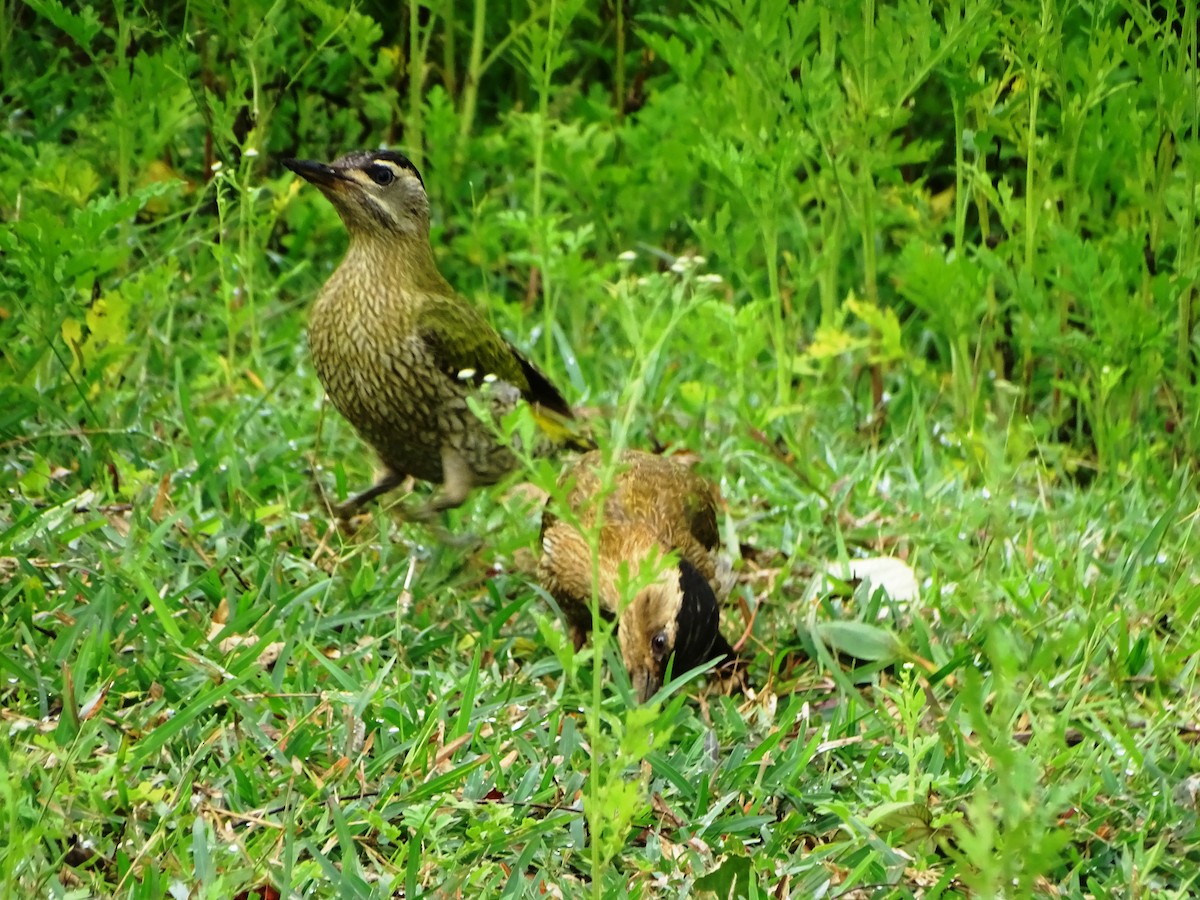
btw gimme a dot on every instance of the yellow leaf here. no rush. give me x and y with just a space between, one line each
830 341
72 333
107 319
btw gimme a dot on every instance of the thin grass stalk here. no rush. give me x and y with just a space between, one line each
965 368
6 33
540 249
1186 361
418 47
619 68
123 116
449 49
1034 89
470 92
867 194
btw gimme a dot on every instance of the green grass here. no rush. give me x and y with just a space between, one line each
946 313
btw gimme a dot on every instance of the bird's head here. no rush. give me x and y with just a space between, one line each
678 615
374 191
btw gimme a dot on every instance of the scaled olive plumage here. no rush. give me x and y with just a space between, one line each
400 353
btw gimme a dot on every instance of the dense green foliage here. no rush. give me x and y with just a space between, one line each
910 279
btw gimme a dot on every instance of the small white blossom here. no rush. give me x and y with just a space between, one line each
627 256
686 263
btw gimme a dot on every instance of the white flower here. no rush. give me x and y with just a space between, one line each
686 263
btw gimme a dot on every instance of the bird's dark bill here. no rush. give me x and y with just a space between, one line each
317 173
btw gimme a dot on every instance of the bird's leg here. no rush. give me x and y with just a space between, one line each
578 635
731 673
457 481
387 481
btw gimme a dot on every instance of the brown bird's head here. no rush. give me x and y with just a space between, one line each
678 616
373 191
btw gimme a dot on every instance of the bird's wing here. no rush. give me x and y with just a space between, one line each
682 503
700 507
467 348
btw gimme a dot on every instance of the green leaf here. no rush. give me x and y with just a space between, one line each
861 641
81 27
731 878
913 820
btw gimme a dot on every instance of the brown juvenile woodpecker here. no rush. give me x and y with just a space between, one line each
400 353
656 506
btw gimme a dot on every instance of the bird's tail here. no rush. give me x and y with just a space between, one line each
732 672
563 431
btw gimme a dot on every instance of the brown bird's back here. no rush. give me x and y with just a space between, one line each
656 506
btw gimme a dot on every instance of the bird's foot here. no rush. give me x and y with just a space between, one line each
427 513
346 511
388 481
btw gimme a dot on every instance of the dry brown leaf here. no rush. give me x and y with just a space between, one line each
267 655
94 703
161 499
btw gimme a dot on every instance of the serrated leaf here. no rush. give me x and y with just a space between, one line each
82 27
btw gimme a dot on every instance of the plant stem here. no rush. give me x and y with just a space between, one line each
1034 87
449 48
964 385
470 94
619 69
414 125
783 360
540 249
1185 361
120 86
867 195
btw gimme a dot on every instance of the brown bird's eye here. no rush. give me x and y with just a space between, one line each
381 175
658 643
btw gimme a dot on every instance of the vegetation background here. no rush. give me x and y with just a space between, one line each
910 279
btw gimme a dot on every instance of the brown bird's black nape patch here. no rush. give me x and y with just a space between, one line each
697 620
653 505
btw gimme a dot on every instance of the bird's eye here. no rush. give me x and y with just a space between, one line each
658 643
381 175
